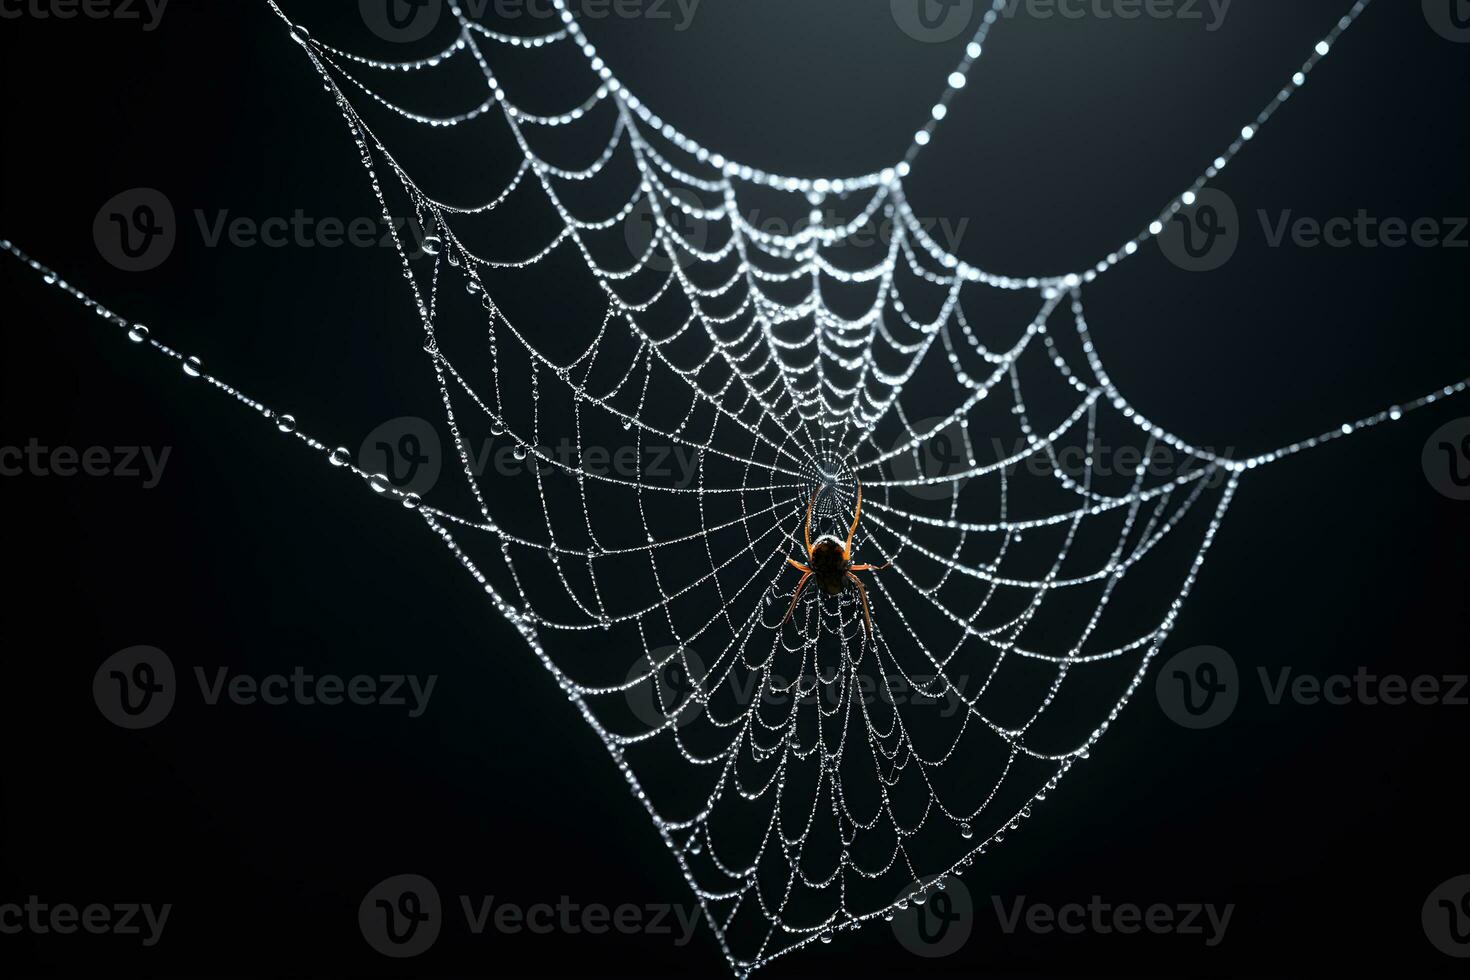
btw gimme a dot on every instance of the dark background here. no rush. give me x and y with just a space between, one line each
1325 826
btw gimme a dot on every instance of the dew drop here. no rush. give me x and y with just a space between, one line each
519 452
412 501
193 368
379 483
137 333
340 456
286 423
431 244
966 831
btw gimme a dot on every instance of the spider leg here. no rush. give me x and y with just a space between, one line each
863 594
796 595
806 529
857 513
798 565
868 568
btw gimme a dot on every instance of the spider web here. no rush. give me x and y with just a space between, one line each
786 338
793 337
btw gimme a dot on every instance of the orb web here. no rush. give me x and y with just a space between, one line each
682 354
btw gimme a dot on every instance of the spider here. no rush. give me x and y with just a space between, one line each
831 562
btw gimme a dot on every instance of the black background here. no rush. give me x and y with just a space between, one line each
1325 826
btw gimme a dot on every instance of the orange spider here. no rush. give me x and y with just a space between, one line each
831 562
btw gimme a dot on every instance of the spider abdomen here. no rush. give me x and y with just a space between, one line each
829 565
